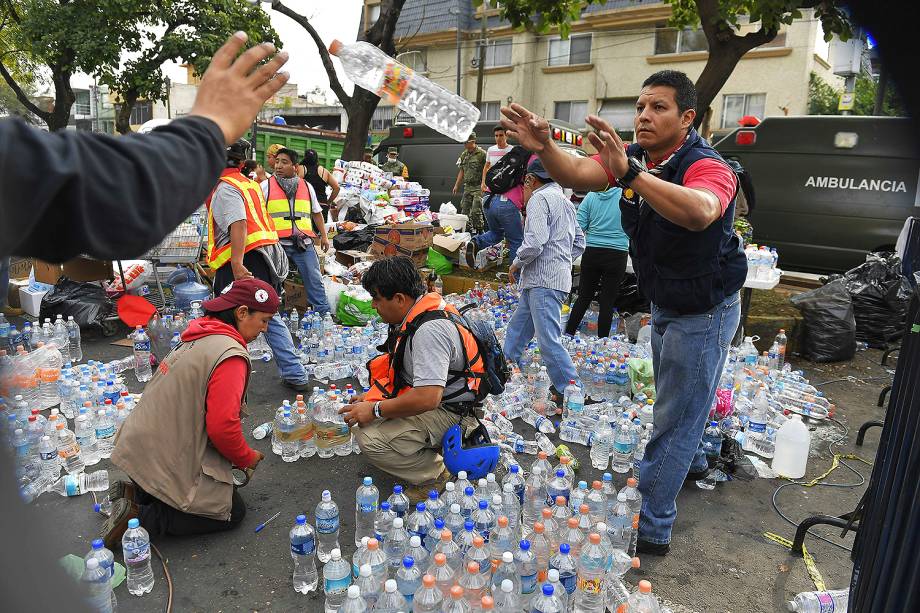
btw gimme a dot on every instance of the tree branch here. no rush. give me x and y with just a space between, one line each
21 95
12 9
334 83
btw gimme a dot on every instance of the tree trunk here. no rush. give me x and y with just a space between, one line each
63 100
722 60
123 116
360 111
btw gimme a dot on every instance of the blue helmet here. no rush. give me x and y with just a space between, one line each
478 459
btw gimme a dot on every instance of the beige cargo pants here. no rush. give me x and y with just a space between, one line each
409 447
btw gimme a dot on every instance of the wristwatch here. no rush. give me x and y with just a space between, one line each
635 167
377 410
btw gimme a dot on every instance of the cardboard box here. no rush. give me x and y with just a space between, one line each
294 296
77 269
408 236
20 268
350 257
12 294
448 247
382 248
31 300
457 284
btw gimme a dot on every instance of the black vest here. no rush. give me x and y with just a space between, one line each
678 269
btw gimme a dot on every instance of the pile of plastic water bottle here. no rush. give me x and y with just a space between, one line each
311 427
534 542
99 572
761 261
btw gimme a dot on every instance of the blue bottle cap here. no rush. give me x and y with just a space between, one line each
468 491
468 525
439 523
420 507
547 589
408 561
713 424
98 544
525 545
608 477
483 504
397 489
368 482
514 468
133 523
560 473
564 548
301 519
432 495
582 485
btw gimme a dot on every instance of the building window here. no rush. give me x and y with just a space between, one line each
669 40
498 52
81 105
373 14
736 106
569 51
489 111
416 60
382 118
572 111
141 113
620 113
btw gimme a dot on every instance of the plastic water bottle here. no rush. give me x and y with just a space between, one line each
142 368
483 520
833 601
622 451
106 561
573 400
417 552
546 601
454 519
135 544
303 548
48 458
69 450
592 567
558 486
408 579
429 598
526 564
619 528
262 430
376 558
383 521
354 602
642 600
327 527
602 446
369 585
336 580
391 601
781 342
73 340
375 71
436 507
77 485
395 545
399 502
419 522
366 500
793 441
105 434
450 550
97 582
290 445
506 598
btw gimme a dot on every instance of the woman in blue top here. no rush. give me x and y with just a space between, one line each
604 260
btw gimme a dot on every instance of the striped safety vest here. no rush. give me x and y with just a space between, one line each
259 227
279 208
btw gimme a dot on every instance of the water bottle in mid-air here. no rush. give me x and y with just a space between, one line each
434 106
135 544
366 500
336 580
327 527
142 369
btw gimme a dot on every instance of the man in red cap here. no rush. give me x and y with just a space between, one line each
181 441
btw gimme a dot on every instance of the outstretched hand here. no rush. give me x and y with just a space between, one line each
233 89
609 145
530 130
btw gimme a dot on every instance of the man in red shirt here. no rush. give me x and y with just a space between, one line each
677 209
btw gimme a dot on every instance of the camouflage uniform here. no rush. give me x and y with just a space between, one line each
396 167
472 163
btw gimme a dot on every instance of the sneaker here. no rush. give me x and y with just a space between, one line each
296 386
419 493
697 475
652 549
115 525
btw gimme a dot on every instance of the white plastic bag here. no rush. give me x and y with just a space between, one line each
447 208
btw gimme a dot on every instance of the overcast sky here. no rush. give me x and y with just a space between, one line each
332 19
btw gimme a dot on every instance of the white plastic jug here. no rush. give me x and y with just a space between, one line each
793 441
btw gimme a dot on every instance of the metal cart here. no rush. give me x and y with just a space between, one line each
181 246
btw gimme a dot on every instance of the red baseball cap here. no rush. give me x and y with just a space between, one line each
253 293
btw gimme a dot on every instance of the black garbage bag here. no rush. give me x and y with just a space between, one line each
86 302
880 295
358 240
733 461
630 298
829 330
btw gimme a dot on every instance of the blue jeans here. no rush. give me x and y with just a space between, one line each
688 354
538 311
505 222
308 265
282 344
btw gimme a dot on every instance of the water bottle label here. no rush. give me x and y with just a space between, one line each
589 586
84 441
105 432
139 554
825 603
337 586
328 525
48 455
142 346
569 582
621 447
72 485
756 427
368 507
304 548
528 583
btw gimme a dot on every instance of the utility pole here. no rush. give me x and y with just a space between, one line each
482 54
459 38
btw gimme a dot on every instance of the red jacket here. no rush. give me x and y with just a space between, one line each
225 395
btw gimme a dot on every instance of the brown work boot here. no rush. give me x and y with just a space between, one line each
419 493
121 488
116 524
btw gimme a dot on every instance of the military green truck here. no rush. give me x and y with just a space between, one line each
828 189
328 145
432 157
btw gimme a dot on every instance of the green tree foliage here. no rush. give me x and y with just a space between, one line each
721 20
823 98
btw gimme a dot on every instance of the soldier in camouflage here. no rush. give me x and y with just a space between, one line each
393 165
471 162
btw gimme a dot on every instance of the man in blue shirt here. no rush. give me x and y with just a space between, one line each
543 268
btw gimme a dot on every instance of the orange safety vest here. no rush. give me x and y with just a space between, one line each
279 208
386 377
259 227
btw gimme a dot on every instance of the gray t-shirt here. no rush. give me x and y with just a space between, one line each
435 347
